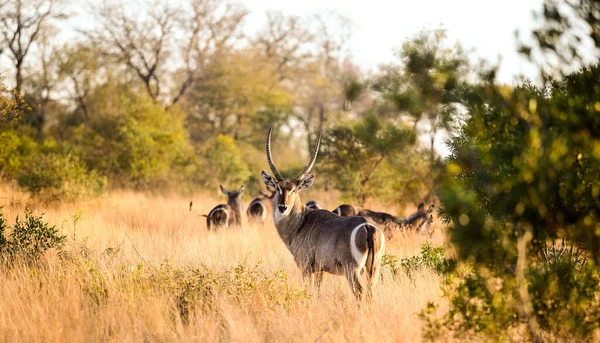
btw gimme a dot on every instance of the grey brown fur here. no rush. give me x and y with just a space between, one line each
226 215
260 208
314 205
418 222
319 240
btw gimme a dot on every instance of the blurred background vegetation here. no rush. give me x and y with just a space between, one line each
163 96
180 98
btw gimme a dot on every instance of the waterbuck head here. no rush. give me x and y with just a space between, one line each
287 191
234 198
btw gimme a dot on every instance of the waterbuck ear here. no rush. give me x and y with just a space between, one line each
421 207
268 179
241 190
430 209
223 190
306 182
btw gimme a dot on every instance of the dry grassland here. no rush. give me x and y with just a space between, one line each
140 267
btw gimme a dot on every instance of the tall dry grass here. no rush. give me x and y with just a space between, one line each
128 254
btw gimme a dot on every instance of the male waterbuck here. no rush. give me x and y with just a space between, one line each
418 222
226 215
260 207
319 240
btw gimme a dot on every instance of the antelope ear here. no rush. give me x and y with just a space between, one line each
306 182
223 190
431 208
268 179
241 190
421 207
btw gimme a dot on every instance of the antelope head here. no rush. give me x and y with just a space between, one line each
286 191
233 197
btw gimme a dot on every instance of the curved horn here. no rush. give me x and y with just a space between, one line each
313 159
270 158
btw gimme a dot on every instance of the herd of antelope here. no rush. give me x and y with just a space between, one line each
345 241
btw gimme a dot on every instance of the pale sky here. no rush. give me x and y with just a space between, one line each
485 27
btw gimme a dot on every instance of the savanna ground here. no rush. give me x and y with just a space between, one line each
140 267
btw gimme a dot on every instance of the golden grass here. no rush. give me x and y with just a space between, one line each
99 295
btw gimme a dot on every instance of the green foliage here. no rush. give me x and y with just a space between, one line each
356 155
53 176
12 105
430 257
428 84
224 163
15 148
199 289
130 139
28 239
523 172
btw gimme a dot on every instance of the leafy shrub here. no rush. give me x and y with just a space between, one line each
198 289
53 176
524 171
28 239
430 257
224 163
129 138
357 157
15 147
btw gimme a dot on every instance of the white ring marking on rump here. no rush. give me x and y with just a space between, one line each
360 257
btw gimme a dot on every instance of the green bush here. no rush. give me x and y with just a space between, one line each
15 147
431 257
28 239
53 176
224 163
129 138
524 172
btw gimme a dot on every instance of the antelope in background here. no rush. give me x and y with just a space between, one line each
226 215
260 207
313 204
319 240
418 222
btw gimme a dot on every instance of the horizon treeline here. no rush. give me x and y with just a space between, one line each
156 95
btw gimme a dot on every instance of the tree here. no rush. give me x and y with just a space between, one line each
80 71
11 106
356 156
167 47
524 172
427 84
307 53
21 24
240 95
130 139
567 38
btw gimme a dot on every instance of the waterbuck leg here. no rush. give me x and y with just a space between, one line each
372 278
352 277
318 281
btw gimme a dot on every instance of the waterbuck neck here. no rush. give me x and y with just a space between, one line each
235 204
412 218
288 226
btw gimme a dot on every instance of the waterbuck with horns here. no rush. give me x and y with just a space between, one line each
226 215
260 207
418 222
319 240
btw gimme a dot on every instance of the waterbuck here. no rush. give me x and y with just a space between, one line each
319 240
260 207
313 204
226 215
419 221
